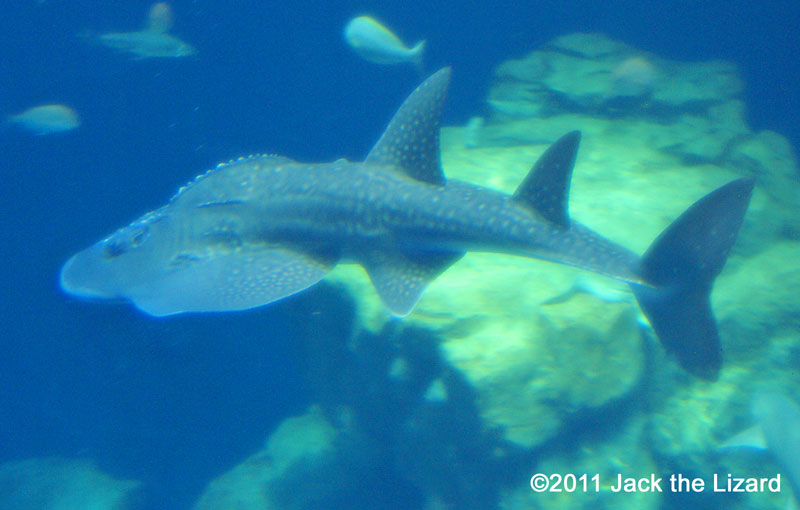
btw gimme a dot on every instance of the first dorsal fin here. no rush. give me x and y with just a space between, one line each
546 188
411 142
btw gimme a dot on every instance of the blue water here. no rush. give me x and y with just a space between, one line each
176 402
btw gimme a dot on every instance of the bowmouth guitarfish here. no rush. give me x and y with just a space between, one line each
261 228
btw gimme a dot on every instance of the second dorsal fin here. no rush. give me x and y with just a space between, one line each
411 141
546 187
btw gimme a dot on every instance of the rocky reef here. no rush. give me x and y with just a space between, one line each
510 366
688 116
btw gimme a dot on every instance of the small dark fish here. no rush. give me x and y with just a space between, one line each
147 44
152 42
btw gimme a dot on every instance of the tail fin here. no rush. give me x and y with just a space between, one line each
681 265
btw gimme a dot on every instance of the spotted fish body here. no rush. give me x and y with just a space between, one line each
261 228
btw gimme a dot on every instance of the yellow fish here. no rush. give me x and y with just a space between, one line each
46 119
376 43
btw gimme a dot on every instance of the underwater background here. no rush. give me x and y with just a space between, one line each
175 403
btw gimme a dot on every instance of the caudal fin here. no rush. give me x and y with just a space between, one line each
680 267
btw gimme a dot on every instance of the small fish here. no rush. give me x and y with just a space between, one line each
47 119
147 44
436 392
152 42
604 292
634 77
376 43
160 18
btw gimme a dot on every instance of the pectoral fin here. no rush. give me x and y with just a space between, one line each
234 280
